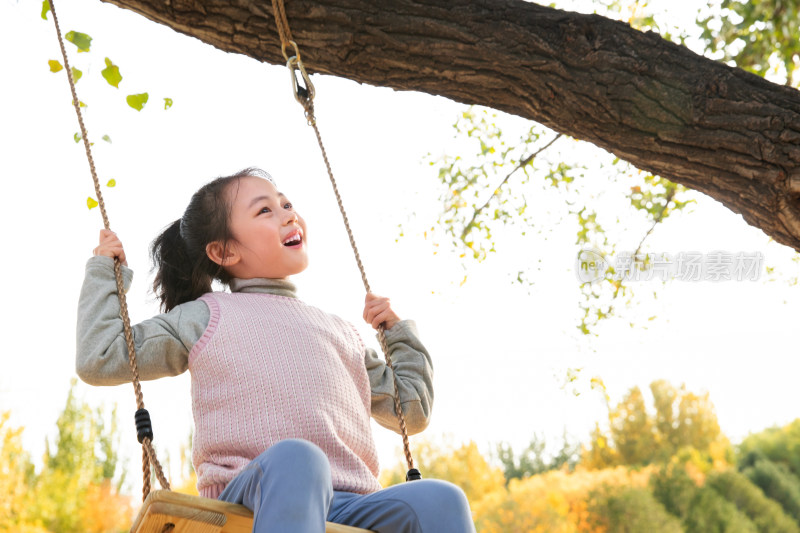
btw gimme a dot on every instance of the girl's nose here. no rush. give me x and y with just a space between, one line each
292 217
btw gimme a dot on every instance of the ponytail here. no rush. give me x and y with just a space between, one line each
184 271
176 278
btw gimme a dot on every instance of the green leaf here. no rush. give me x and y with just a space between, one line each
137 101
55 66
111 74
77 137
111 183
167 103
76 74
81 40
91 203
107 139
45 8
81 104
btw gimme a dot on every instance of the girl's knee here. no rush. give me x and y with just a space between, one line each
445 492
297 458
438 506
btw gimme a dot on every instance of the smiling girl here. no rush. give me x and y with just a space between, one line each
282 392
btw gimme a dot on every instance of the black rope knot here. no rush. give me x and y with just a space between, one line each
143 426
413 475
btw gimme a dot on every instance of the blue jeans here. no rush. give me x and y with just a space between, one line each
289 489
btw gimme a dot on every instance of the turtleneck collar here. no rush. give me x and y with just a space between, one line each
280 287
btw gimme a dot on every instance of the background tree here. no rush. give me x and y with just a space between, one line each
778 483
709 512
79 489
701 509
17 478
766 514
682 420
535 459
778 444
632 430
630 510
463 465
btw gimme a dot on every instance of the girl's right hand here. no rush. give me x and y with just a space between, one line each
110 246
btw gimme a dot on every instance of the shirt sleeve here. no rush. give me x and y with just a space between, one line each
162 343
414 370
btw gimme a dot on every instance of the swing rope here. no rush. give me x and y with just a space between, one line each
143 425
305 96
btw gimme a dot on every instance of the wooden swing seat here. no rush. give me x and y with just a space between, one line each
195 514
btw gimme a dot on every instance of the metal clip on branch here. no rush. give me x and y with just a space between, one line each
302 94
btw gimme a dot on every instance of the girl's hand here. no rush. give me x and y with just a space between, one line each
110 246
378 309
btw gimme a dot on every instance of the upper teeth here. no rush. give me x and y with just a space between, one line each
293 238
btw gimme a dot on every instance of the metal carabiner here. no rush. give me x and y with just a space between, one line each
301 94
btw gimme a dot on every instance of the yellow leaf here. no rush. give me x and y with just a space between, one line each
91 202
111 183
463 281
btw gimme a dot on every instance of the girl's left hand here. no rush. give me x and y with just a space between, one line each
378 309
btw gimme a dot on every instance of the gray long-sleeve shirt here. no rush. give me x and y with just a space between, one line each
163 344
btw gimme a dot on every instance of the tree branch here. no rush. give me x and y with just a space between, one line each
663 108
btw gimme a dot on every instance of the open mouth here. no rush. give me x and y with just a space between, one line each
294 241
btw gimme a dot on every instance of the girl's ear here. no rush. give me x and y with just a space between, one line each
221 254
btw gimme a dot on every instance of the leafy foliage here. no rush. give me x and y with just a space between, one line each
17 478
111 74
767 515
778 484
630 510
701 509
78 489
711 513
682 421
463 465
674 489
534 458
778 444
758 36
82 41
504 186
137 101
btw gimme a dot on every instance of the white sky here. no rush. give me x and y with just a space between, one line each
500 354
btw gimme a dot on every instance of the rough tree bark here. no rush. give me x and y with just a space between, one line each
665 109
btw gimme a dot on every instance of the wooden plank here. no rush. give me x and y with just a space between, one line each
194 514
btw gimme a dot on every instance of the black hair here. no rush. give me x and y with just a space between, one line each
184 271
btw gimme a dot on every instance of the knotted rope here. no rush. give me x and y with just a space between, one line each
148 451
306 99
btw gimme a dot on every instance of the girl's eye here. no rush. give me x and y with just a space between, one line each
289 204
264 210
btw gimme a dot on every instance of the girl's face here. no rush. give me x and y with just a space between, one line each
268 236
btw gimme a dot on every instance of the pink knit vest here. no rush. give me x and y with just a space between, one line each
269 368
